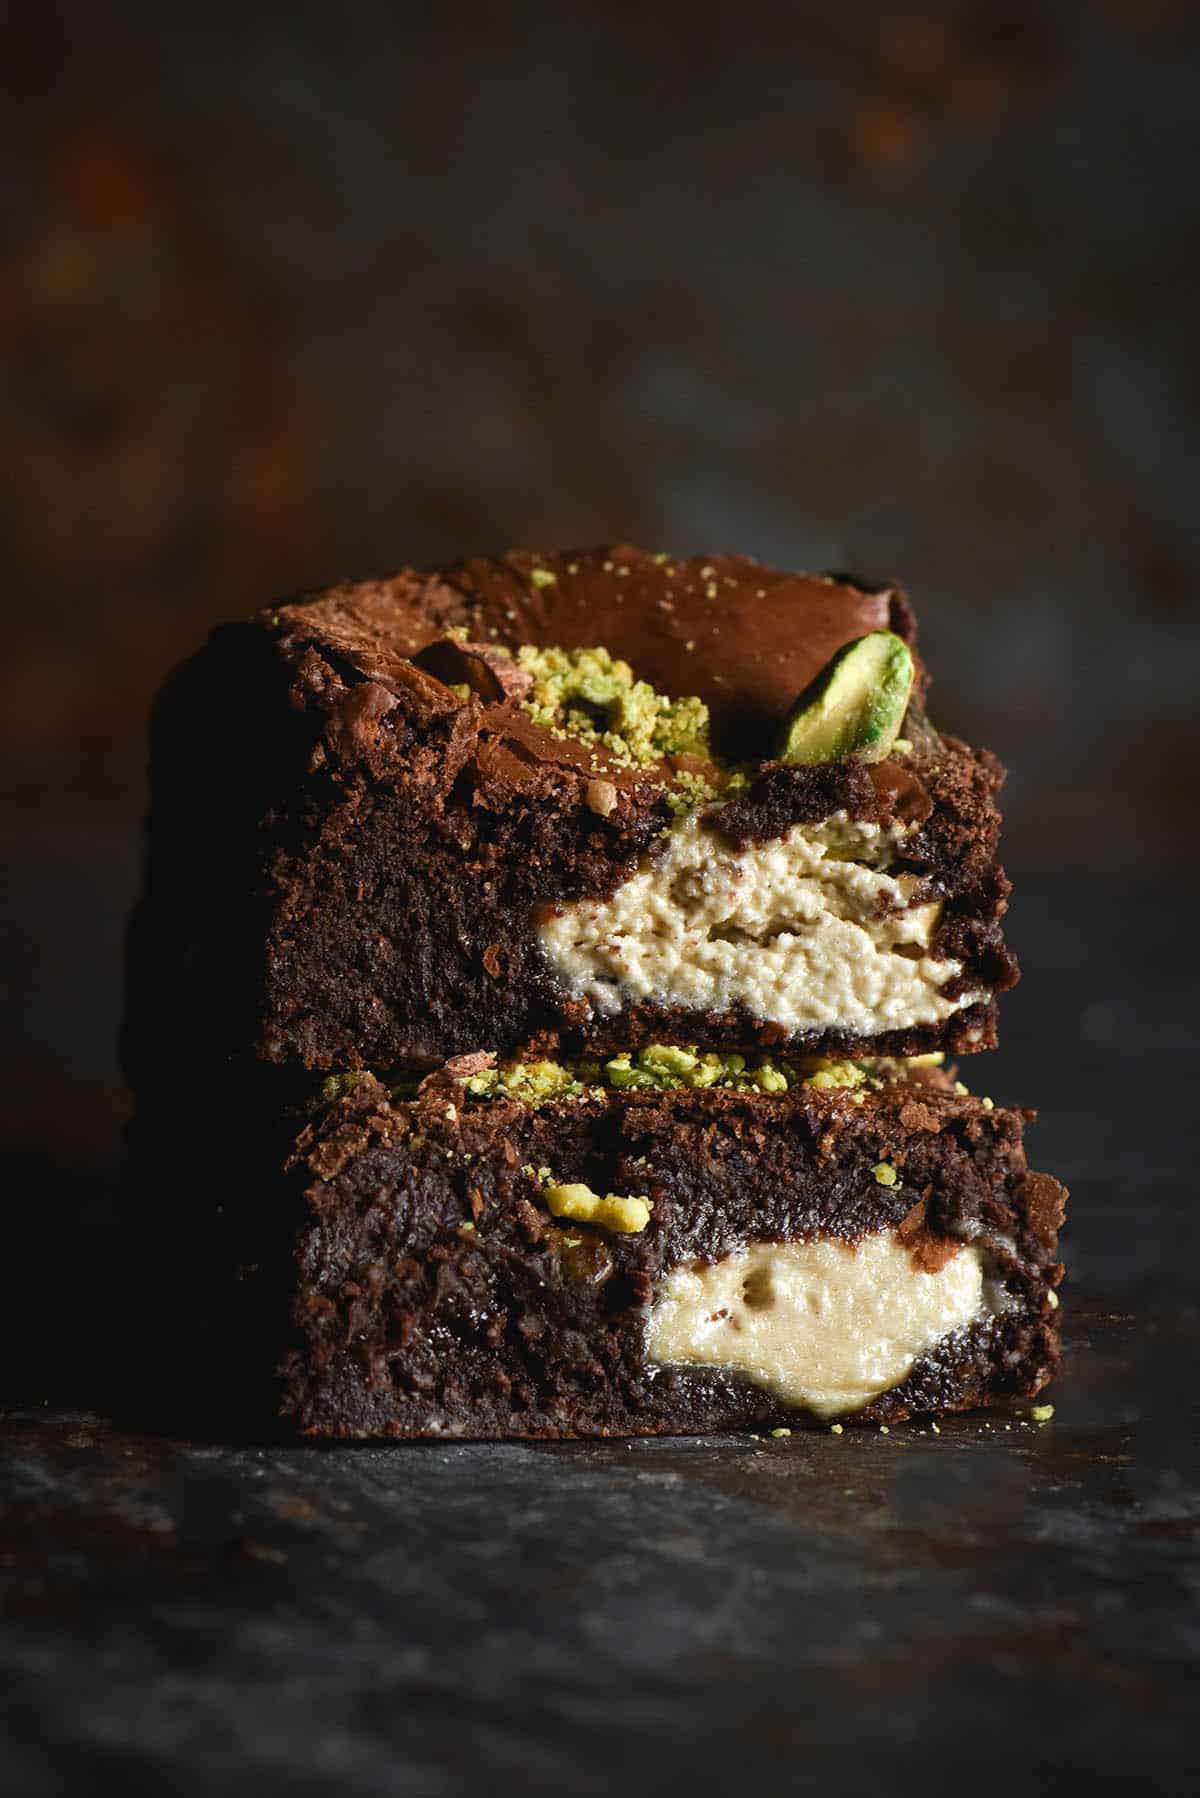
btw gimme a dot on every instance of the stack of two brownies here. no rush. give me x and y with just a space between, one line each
540 1005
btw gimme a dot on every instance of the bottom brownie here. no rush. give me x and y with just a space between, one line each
486 1259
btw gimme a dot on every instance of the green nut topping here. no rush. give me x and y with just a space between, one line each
671 1067
667 1067
532 1082
855 706
338 1086
659 1067
589 695
627 1215
838 1073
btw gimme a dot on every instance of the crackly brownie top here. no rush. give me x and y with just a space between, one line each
742 638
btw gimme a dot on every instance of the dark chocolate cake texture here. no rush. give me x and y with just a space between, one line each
629 906
643 1260
539 805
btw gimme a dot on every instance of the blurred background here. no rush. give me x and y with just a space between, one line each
908 288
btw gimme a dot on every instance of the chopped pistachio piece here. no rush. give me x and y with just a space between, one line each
533 1082
336 1086
627 1216
832 1074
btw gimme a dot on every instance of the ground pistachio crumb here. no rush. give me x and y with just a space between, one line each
1052 1299
883 1430
1042 1413
626 1215
533 1082
988 1104
962 1091
885 1173
593 697
336 1086
835 1429
688 792
671 1067
832 1074
935 1429
542 577
778 1433
691 790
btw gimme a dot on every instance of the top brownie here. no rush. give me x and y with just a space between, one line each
549 804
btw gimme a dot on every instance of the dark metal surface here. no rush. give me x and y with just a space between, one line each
986 1609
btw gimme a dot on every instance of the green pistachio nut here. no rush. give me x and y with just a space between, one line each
855 706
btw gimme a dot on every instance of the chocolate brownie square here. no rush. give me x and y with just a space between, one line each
670 1241
553 804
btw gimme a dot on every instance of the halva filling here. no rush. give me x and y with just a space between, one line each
809 931
823 1325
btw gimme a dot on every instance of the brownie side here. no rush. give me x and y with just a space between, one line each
435 1295
345 856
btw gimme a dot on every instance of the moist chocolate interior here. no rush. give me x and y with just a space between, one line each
523 1325
405 1277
